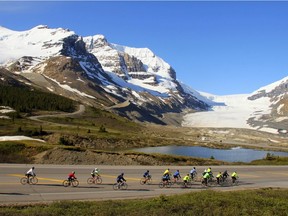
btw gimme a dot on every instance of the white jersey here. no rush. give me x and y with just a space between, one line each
95 172
193 171
31 172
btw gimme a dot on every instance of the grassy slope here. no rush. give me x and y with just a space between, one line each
251 202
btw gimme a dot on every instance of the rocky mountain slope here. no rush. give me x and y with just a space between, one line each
95 72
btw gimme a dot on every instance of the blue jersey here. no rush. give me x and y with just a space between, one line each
177 173
146 174
120 178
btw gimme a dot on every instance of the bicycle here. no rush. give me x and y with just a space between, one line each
187 184
235 183
32 180
176 180
210 182
147 180
120 186
224 181
193 176
94 180
166 184
73 182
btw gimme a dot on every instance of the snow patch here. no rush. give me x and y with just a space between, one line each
14 138
68 88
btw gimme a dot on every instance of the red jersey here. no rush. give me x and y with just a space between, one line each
71 175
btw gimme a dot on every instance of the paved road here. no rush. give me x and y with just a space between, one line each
49 187
77 112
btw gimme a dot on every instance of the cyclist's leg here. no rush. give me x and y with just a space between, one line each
28 178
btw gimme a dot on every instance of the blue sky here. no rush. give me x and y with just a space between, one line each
220 47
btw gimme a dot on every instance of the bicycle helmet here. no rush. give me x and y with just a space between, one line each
122 173
96 169
33 167
147 170
73 172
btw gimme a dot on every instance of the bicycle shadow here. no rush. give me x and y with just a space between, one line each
13 194
61 185
129 189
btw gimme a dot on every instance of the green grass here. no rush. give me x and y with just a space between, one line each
274 160
250 202
20 151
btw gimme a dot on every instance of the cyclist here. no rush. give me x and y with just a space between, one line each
186 179
209 170
120 179
147 176
205 171
206 176
193 172
166 176
167 171
225 175
30 173
71 176
234 176
218 177
176 175
95 172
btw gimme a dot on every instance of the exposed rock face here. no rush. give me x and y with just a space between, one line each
98 73
278 94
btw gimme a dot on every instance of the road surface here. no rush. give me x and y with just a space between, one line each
77 112
49 187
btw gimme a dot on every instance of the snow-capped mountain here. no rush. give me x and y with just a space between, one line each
265 109
131 81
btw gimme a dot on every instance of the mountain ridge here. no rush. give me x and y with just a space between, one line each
98 73
64 60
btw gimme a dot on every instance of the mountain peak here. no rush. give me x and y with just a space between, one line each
41 27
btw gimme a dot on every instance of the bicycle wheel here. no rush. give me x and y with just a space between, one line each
168 184
99 180
143 181
75 183
23 180
116 186
189 184
203 183
124 186
161 184
236 182
66 183
33 180
149 181
90 180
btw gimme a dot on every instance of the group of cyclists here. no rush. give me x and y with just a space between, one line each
206 176
166 177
